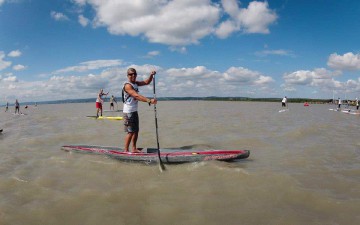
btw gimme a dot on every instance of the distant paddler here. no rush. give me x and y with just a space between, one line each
112 100
99 102
17 106
339 103
357 103
284 102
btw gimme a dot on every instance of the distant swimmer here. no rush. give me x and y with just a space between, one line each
99 102
284 102
7 106
26 107
17 106
112 100
357 103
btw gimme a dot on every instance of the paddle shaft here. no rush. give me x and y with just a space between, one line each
162 167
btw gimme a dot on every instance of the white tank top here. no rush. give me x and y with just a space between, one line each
130 104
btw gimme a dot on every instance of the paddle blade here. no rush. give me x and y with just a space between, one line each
162 167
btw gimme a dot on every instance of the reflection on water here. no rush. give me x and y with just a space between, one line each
303 168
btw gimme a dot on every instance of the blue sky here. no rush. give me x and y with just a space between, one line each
68 49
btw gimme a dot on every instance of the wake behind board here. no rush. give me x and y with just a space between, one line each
106 117
168 155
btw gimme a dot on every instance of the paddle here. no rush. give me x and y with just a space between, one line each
161 164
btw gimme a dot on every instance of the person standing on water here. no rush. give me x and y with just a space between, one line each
357 103
7 106
17 106
112 100
339 103
284 102
131 96
99 102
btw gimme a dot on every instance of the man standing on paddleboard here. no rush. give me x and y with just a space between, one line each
131 96
339 103
99 102
17 106
112 100
284 102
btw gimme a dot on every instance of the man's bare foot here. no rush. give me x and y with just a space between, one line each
136 151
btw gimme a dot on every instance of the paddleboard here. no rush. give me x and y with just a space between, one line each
168 155
106 117
21 114
351 112
283 110
119 110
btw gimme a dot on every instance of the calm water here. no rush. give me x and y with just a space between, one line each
303 169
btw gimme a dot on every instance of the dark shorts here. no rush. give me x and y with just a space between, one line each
111 104
131 122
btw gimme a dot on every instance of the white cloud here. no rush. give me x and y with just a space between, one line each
90 65
313 78
179 22
243 76
15 53
10 79
1 2
58 16
195 81
83 20
255 19
19 67
321 78
231 7
3 64
152 54
280 52
198 72
181 50
348 61
226 28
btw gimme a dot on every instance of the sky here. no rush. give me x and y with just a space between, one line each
69 49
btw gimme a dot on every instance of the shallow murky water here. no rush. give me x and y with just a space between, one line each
303 169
